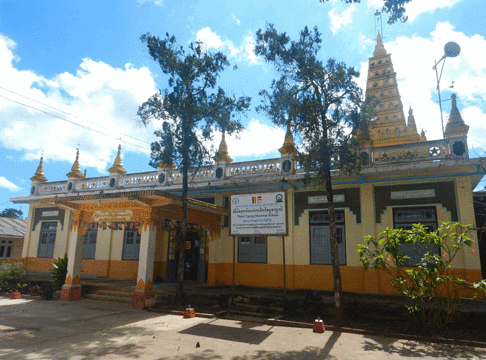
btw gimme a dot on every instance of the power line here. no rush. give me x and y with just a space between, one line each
75 123
52 107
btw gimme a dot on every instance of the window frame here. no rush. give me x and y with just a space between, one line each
88 232
48 231
6 252
137 236
252 243
340 221
433 222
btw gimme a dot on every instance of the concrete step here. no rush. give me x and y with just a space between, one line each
112 293
109 298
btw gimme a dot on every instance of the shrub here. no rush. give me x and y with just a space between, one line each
432 289
60 271
12 276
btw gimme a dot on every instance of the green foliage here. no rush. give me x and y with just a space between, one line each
12 276
59 272
432 287
396 9
12 213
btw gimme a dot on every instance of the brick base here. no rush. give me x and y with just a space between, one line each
143 299
71 292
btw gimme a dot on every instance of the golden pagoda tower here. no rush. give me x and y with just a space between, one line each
388 125
288 147
76 169
117 167
222 155
39 173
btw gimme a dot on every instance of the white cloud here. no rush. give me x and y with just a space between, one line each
4 183
364 41
106 97
235 19
243 52
338 21
416 7
258 139
413 58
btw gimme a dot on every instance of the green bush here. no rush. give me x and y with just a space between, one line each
432 289
60 271
12 276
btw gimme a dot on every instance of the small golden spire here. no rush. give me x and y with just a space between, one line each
163 165
39 174
76 169
117 167
222 155
455 125
288 147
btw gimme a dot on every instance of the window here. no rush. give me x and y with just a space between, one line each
394 116
379 61
397 129
382 106
387 131
386 118
320 241
226 203
6 248
390 105
47 239
378 119
384 71
89 248
131 246
404 219
379 131
377 73
252 249
382 94
389 93
386 82
375 84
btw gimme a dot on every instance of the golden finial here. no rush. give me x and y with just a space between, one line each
163 165
379 48
117 167
222 155
76 169
288 147
39 174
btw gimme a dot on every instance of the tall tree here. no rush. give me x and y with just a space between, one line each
396 9
12 213
323 104
190 108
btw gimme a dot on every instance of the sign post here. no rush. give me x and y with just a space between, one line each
259 214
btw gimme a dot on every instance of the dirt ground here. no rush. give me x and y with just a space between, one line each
88 329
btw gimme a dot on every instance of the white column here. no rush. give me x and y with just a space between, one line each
143 289
72 286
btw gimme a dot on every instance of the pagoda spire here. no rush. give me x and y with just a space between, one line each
39 173
117 167
75 169
288 147
455 124
379 48
222 155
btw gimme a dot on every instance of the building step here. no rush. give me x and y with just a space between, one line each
109 298
112 293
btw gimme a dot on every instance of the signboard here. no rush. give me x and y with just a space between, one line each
187 245
113 216
259 214
323 199
412 194
50 213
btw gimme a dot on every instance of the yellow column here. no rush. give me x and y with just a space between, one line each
143 291
71 289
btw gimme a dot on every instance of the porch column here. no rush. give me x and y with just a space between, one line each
143 294
71 289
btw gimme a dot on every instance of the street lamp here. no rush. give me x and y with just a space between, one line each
451 49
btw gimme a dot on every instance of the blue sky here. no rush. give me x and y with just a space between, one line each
84 61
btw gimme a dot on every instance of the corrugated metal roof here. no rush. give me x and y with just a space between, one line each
12 227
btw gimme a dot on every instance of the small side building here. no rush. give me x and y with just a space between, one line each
12 232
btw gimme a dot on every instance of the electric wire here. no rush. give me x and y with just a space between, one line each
75 123
54 108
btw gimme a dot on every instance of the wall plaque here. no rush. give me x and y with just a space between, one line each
113 216
322 199
412 194
50 213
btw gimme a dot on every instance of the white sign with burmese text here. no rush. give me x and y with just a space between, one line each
258 214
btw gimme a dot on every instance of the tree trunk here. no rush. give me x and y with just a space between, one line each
182 239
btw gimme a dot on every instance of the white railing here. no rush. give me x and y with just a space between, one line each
92 184
378 156
255 167
52 188
140 179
